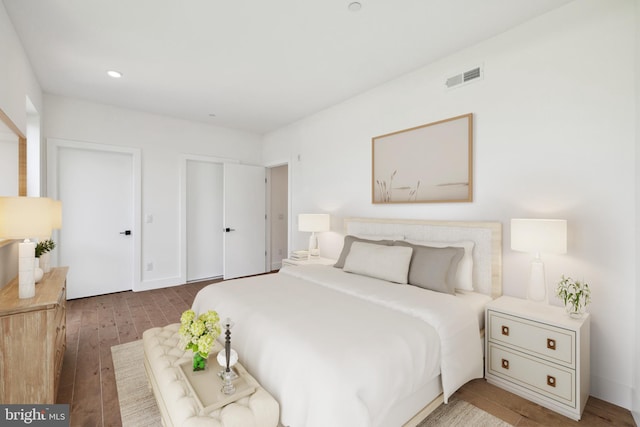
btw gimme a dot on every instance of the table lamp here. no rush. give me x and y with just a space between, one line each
538 236
314 223
24 218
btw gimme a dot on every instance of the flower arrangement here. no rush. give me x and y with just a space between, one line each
44 246
575 294
199 334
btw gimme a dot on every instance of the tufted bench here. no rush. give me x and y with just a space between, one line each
162 359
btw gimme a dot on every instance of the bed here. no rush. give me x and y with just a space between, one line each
354 345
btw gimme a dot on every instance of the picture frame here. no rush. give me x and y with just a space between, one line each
432 163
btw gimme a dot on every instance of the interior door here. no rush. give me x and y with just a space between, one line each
97 191
244 220
204 220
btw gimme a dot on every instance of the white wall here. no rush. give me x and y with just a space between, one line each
163 142
554 137
17 82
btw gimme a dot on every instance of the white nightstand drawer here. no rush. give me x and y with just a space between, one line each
551 381
552 343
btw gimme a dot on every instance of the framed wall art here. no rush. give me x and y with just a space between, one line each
432 163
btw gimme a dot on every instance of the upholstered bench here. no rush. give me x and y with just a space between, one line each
178 407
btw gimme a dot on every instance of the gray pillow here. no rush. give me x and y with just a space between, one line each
433 268
348 240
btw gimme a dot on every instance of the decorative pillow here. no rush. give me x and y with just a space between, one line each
382 262
464 273
346 247
433 268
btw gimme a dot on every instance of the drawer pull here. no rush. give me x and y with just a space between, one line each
505 365
505 330
551 381
551 344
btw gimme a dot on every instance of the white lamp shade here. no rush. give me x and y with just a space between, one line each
25 217
314 222
539 235
56 214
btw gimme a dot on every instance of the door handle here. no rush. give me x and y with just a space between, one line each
227 230
126 232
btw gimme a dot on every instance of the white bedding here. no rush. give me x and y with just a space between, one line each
339 349
476 302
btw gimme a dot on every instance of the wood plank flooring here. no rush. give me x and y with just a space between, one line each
97 323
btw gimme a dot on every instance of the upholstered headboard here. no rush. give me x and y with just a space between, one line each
487 236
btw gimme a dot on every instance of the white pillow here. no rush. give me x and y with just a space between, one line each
464 274
389 263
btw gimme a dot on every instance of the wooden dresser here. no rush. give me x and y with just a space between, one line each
33 340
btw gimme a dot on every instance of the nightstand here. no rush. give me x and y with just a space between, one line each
538 352
287 262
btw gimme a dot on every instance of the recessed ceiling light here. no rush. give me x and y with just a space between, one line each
355 6
114 74
212 115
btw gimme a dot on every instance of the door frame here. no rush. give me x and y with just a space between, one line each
55 144
182 268
268 209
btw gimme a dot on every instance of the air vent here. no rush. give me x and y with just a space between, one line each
464 77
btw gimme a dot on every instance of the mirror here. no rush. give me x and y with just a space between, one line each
13 158
13 161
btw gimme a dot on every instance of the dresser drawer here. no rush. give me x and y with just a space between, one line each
552 343
552 381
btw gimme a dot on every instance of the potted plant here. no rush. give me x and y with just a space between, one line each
198 335
43 249
575 294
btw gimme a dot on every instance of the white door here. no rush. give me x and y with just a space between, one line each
97 192
244 220
204 220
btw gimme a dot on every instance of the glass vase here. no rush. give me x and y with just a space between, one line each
575 311
199 362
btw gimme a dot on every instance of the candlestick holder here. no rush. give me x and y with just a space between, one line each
227 376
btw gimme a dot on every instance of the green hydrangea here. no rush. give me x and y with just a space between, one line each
187 317
199 333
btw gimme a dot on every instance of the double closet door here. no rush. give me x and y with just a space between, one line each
225 220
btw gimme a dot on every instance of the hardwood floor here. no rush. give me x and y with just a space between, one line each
97 323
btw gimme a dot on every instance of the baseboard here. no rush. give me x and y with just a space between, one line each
611 391
147 285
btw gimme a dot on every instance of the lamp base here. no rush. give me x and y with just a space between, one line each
26 269
537 290
314 248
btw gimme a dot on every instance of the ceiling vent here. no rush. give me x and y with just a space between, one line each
469 76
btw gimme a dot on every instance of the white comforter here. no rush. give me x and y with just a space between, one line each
338 349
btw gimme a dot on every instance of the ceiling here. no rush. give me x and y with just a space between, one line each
251 65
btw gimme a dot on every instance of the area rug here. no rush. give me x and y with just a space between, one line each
138 406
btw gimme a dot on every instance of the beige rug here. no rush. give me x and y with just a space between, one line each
138 407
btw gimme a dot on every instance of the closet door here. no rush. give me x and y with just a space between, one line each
244 220
204 220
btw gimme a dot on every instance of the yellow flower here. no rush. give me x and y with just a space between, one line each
204 345
199 333
187 317
197 328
